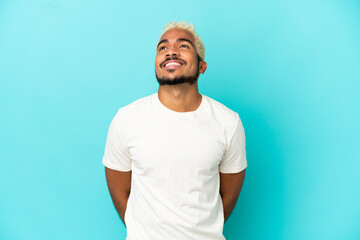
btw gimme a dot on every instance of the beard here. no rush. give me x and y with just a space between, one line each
178 80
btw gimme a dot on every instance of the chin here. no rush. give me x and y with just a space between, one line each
175 80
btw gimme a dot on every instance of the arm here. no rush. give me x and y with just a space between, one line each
230 187
119 184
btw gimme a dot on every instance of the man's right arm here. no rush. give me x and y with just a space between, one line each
119 184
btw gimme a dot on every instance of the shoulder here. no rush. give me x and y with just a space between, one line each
133 110
138 104
222 113
228 121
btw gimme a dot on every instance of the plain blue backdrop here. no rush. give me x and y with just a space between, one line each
291 69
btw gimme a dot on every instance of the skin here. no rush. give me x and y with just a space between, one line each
119 184
230 188
183 97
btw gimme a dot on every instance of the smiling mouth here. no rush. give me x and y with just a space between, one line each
172 63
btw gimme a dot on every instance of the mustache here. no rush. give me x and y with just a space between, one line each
171 58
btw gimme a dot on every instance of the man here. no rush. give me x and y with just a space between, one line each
175 161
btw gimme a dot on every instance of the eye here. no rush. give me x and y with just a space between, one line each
162 48
184 46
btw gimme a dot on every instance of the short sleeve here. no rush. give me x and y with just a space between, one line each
116 156
234 159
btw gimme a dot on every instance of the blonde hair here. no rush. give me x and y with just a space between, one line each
199 45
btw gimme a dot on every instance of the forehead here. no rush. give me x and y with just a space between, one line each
176 33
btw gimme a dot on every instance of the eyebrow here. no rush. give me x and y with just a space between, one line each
162 41
185 40
178 40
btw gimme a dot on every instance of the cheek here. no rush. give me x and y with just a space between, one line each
157 62
195 65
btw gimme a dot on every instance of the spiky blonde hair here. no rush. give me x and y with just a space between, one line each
199 45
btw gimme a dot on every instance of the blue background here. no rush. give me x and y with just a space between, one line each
291 69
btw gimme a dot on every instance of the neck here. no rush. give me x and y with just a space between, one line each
180 98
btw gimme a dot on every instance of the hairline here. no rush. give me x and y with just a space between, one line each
190 28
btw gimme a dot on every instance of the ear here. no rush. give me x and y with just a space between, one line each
202 67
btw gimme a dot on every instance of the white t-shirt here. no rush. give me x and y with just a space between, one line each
175 159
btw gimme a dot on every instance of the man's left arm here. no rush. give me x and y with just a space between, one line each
230 188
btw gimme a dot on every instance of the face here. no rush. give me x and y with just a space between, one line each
176 58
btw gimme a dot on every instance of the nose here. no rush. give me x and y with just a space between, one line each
172 52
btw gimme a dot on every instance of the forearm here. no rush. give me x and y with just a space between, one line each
230 188
119 184
120 202
229 203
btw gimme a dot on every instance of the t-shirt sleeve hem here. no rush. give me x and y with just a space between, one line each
108 164
233 170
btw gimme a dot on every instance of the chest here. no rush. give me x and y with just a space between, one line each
157 145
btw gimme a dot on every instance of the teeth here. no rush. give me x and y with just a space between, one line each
173 63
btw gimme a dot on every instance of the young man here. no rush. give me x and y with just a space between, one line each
175 160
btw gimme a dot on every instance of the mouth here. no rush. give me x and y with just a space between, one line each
172 64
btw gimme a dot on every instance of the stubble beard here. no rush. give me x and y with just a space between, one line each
179 80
